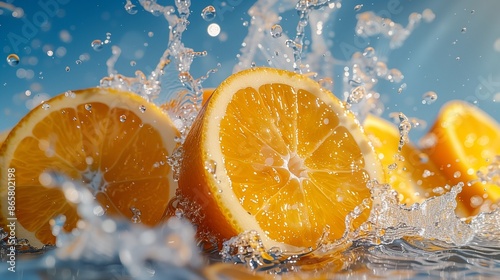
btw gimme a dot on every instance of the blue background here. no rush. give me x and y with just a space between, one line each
427 59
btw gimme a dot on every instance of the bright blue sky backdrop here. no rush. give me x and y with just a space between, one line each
428 59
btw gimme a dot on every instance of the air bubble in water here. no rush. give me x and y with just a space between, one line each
276 31
130 8
429 97
97 45
463 30
123 118
208 13
45 106
88 107
142 108
358 7
13 59
67 69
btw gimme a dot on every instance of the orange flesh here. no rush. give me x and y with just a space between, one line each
303 169
123 163
467 142
415 177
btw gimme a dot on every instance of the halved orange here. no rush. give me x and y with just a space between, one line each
115 143
416 178
274 152
464 141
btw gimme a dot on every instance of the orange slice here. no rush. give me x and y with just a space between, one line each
274 152
464 141
116 143
3 135
416 178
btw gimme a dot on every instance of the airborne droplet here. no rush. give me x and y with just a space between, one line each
208 13
13 59
97 45
369 52
429 97
276 31
130 8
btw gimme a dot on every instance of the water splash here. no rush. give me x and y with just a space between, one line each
369 24
261 46
103 239
388 222
149 86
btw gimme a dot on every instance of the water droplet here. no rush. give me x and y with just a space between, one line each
401 88
245 23
88 107
276 31
13 59
27 92
45 106
358 7
136 217
67 69
97 45
457 58
78 62
356 95
393 166
142 108
130 8
132 63
427 173
463 30
476 201
395 76
423 157
208 13
69 93
369 52
429 97
89 160
123 118
211 166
